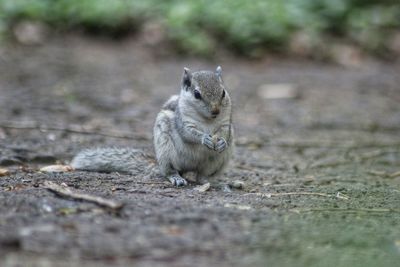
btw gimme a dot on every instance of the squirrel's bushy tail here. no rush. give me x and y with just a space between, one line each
132 161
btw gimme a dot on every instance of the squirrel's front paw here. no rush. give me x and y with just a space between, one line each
220 145
207 140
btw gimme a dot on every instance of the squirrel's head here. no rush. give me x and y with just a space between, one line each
205 91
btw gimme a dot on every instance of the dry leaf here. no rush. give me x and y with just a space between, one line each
4 172
57 168
202 188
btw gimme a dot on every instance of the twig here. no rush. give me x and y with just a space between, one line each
269 195
395 174
317 143
141 191
370 155
139 182
327 164
351 127
353 158
281 185
347 210
71 129
67 192
384 174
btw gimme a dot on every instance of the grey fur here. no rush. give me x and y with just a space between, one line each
188 135
132 161
183 133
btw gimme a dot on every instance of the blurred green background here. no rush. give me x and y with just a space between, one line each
200 27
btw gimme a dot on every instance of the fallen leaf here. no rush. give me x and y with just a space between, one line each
202 188
57 168
4 172
67 211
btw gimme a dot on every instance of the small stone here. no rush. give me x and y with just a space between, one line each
302 44
153 33
30 33
278 91
51 137
237 184
226 188
47 208
3 134
347 55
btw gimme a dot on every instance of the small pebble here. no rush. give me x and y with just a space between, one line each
47 208
30 32
237 184
278 91
226 188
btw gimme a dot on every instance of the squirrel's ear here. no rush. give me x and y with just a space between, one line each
186 78
218 71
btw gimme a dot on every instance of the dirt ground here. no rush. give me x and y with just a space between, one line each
320 166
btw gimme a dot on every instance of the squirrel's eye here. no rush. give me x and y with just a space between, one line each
197 94
223 93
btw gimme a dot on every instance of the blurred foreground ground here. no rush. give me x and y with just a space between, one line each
320 164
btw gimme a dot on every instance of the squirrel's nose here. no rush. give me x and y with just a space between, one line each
215 112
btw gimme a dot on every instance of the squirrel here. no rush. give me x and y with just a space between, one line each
193 132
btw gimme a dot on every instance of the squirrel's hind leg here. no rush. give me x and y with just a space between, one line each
164 147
